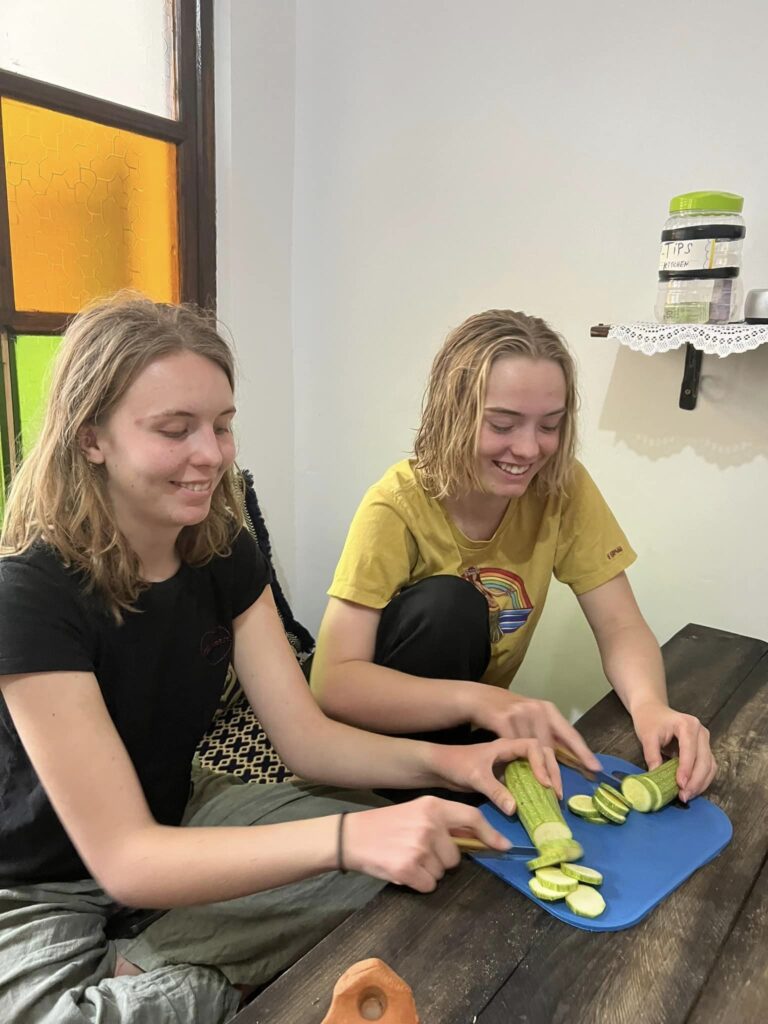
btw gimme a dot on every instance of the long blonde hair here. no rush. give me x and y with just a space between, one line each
58 496
452 409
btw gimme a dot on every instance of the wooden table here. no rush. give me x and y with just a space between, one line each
476 951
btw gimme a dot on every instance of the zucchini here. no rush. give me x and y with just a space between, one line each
542 892
556 853
537 806
585 901
653 790
610 791
608 809
581 873
581 805
557 880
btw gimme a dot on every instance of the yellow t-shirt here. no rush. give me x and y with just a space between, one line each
399 536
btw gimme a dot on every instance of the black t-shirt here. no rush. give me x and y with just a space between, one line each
161 674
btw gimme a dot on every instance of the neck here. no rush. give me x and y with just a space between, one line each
156 551
478 515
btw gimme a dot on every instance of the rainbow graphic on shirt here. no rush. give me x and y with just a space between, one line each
508 603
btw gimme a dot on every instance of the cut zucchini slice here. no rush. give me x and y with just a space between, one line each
542 892
585 901
581 805
557 880
581 873
639 796
608 809
555 853
611 792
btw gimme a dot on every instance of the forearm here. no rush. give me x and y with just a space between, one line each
374 697
163 866
343 755
633 664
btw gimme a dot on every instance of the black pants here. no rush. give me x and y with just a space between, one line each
437 629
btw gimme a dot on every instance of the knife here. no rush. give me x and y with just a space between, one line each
475 846
565 757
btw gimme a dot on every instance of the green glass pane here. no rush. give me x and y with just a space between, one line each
33 354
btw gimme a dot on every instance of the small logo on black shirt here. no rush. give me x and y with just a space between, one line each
216 645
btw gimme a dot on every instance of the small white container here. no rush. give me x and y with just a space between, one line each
700 259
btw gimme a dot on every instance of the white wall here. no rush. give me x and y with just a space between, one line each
254 61
452 157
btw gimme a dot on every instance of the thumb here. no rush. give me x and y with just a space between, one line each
651 750
498 794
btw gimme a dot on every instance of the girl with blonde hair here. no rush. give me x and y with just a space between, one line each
127 584
448 561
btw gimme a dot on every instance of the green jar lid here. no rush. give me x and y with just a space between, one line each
720 202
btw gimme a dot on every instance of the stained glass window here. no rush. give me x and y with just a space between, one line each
33 357
106 176
120 52
91 209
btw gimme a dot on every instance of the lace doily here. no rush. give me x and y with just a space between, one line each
714 339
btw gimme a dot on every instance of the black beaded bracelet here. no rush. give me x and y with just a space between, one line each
340 845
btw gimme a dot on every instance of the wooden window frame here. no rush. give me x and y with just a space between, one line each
192 133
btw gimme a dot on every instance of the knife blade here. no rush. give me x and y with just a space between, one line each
565 757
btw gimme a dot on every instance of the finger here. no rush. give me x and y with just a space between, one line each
651 750
420 879
701 773
567 736
546 771
480 827
688 751
553 770
497 793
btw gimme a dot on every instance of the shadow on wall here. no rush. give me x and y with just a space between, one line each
728 427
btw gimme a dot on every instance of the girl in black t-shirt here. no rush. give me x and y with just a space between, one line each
126 585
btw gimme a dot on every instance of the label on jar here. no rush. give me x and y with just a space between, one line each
699 254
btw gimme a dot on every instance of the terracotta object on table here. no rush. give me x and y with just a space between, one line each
371 991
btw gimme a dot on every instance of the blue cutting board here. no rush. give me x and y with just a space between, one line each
642 861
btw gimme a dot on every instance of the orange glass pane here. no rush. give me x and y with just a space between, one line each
92 209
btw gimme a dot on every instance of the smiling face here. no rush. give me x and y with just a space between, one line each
525 403
165 446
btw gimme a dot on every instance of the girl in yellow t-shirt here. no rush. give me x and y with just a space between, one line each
448 560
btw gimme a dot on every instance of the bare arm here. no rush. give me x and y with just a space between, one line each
84 768
634 667
89 778
350 687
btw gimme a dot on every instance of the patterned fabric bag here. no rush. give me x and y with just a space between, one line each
236 742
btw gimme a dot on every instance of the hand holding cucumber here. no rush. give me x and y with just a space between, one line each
659 727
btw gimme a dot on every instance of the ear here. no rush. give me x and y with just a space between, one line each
89 445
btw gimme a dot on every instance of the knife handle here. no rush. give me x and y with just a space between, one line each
565 757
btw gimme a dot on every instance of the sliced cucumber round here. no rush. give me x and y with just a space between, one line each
581 805
610 791
543 892
608 809
555 853
585 901
557 880
581 873
638 795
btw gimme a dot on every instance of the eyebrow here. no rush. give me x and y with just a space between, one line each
513 412
169 413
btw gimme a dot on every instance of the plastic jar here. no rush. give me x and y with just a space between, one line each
700 259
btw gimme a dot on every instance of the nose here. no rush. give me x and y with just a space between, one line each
208 451
525 443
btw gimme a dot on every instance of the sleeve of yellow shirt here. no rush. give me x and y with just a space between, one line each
378 554
591 546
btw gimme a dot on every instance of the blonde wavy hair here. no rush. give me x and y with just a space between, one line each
452 409
58 496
